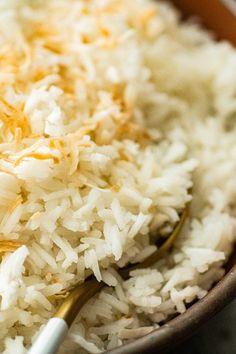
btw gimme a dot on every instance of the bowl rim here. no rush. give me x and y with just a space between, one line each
184 325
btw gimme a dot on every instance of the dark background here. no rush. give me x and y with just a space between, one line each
218 336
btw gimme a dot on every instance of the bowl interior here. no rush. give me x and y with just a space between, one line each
217 15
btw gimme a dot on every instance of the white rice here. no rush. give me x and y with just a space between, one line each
111 111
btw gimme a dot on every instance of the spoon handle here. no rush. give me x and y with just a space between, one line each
55 331
50 338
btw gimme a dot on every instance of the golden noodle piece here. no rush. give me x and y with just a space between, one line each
14 120
9 245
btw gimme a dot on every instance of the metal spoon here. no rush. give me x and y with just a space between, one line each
57 327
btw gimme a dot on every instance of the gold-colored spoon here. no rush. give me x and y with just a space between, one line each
57 327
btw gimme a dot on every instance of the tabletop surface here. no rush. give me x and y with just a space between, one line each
218 336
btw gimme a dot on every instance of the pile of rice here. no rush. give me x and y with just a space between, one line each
113 115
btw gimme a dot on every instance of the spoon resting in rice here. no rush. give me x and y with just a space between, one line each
57 327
